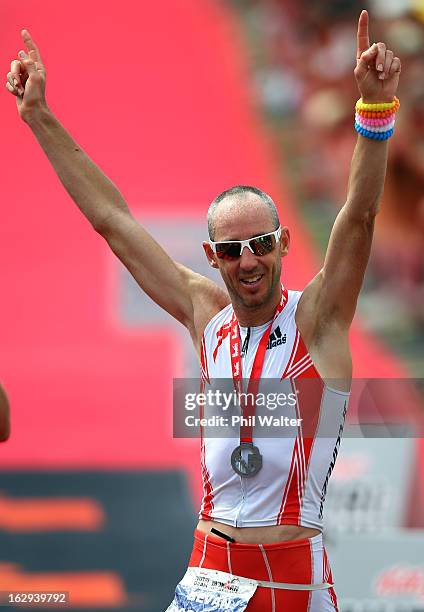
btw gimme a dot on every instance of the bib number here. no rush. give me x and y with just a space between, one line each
209 590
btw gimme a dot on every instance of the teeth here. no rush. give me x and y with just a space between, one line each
251 280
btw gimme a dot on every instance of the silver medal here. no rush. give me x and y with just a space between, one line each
248 468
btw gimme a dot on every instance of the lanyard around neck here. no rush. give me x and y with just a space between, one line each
248 410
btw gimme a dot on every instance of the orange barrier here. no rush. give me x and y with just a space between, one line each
92 589
44 514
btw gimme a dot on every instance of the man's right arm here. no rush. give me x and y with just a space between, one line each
168 283
189 297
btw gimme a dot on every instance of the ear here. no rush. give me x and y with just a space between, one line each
211 257
284 241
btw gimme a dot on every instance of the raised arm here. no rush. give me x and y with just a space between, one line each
4 416
334 292
189 297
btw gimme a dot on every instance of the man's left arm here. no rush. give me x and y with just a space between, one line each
336 288
350 241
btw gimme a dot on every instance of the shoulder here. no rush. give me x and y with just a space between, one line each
218 321
307 309
293 298
289 310
314 319
325 340
207 298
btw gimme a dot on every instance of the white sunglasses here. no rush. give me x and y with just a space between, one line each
258 245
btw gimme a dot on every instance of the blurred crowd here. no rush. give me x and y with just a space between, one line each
303 54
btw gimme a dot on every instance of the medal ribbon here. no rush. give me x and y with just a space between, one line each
246 431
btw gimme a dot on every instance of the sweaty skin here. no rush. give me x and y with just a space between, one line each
327 306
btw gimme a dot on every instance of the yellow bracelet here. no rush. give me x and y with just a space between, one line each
379 106
378 113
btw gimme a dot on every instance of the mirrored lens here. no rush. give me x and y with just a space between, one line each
262 245
232 250
228 250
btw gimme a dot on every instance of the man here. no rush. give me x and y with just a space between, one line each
261 515
4 416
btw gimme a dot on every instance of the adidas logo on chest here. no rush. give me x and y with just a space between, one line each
276 338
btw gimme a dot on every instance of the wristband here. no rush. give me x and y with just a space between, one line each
378 106
373 135
374 122
377 120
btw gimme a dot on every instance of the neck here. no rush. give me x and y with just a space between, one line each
255 316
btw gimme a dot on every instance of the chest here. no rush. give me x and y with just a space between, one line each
280 345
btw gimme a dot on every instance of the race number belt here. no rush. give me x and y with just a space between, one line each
246 460
216 591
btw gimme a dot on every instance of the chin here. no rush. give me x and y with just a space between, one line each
260 297
254 300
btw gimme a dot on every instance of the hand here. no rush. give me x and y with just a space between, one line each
377 70
27 78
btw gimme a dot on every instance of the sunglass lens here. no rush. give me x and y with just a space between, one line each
228 250
263 245
232 250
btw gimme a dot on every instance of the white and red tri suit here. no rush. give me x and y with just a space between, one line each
291 486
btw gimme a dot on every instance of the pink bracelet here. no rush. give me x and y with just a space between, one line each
374 122
380 129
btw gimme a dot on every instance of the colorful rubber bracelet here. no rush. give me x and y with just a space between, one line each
377 130
393 109
372 123
375 114
373 135
377 106
375 122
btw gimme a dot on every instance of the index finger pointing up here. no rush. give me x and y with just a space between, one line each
363 40
30 44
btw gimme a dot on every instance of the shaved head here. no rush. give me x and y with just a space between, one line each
236 199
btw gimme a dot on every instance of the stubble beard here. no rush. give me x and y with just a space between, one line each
240 301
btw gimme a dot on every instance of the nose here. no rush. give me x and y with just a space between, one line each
248 260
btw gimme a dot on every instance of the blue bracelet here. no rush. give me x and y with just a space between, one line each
373 135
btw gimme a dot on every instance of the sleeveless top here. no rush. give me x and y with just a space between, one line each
291 486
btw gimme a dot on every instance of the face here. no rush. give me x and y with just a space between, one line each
252 281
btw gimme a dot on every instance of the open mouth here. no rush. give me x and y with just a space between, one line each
252 282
